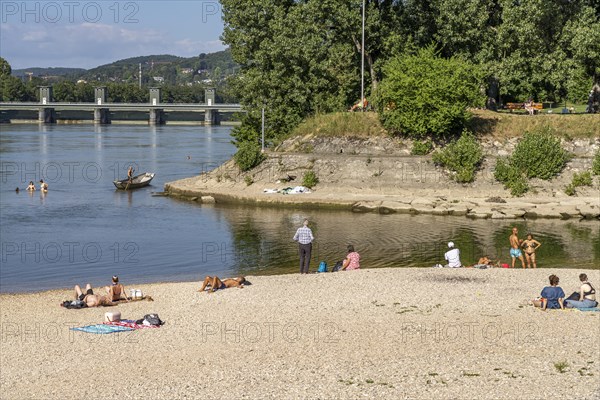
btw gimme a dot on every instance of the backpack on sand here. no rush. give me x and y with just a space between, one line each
150 319
322 267
338 265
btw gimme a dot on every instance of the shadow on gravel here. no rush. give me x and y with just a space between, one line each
455 279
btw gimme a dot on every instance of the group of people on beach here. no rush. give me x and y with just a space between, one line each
305 237
553 297
87 298
529 245
517 248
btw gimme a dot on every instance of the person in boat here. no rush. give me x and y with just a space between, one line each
31 186
587 295
530 245
116 291
130 174
552 297
215 283
89 298
43 186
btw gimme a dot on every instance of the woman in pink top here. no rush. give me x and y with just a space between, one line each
352 260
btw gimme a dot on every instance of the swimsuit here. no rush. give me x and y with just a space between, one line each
529 248
515 253
82 295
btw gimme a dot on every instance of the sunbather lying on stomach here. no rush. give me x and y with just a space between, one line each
215 283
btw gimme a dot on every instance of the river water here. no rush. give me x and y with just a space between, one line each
83 230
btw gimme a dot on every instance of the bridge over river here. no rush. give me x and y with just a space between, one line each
102 112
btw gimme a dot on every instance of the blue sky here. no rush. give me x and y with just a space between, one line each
85 34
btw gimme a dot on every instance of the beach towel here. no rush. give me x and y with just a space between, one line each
129 323
101 329
593 309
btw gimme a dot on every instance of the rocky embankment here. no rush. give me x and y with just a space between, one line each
380 175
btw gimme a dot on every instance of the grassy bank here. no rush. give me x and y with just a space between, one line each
342 124
488 123
502 125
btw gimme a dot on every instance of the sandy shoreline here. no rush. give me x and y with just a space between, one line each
375 333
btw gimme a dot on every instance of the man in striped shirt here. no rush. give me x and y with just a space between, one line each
304 237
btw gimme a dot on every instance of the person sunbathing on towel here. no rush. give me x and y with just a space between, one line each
91 299
215 283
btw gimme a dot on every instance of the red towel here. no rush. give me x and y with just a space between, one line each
130 324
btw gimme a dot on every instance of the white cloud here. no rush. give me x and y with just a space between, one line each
87 45
35 36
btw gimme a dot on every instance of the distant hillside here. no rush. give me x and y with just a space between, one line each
156 70
53 71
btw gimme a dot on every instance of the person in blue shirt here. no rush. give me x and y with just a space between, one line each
552 296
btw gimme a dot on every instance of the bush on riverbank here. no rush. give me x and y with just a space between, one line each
578 180
596 164
425 94
463 157
310 179
511 177
539 154
248 156
421 147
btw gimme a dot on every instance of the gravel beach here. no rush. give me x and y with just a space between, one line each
371 333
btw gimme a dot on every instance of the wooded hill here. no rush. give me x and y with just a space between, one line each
172 69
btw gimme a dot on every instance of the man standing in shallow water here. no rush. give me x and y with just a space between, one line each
515 247
304 237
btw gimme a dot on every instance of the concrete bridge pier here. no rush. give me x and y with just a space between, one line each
156 116
101 116
211 117
46 115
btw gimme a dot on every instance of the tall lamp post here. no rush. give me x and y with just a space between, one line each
362 61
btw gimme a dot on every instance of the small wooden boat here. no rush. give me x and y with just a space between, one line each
136 182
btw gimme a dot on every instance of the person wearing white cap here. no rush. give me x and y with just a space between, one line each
452 256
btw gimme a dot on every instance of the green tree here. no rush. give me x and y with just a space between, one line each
12 89
83 92
5 69
582 38
303 57
64 92
532 61
425 94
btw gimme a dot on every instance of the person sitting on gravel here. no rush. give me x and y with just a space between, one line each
552 296
89 298
116 291
352 260
587 295
452 256
215 283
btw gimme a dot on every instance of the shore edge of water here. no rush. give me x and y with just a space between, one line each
425 203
